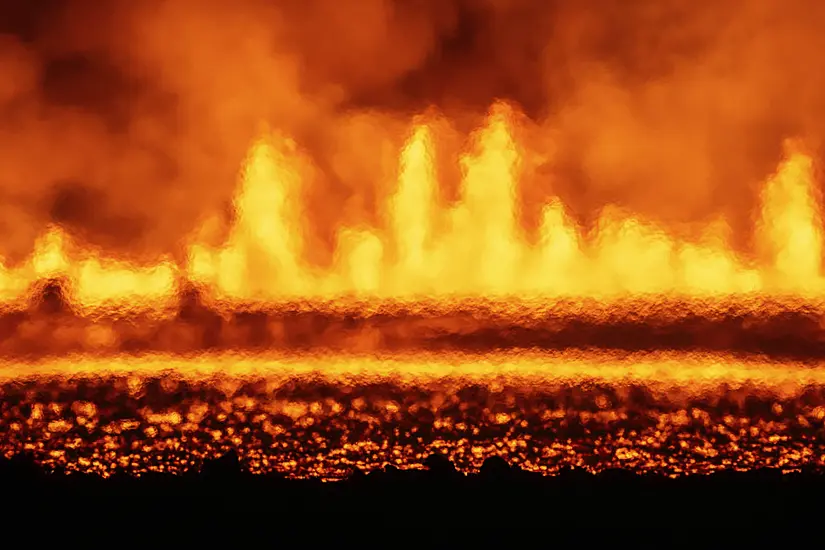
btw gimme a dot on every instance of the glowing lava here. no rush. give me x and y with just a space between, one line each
475 248
592 349
324 416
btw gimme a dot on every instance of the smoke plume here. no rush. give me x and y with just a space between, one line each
126 122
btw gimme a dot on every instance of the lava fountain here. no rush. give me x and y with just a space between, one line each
447 329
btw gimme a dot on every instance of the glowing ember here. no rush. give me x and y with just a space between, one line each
325 415
459 301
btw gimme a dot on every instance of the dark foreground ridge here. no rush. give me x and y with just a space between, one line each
498 496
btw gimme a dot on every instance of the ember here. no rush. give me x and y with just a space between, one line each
622 270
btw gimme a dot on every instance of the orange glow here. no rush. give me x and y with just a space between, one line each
671 373
792 229
323 415
533 229
475 248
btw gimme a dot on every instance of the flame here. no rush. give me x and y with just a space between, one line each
475 248
791 228
412 213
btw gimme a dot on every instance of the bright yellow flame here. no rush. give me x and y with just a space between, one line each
791 225
487 220
475 248
268 231
49 259
412 213
557 267
98 285
359 261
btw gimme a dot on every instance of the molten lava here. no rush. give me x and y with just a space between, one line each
449 329
475 248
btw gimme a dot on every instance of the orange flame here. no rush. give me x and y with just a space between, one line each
475 248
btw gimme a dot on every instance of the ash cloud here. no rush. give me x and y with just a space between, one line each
127 121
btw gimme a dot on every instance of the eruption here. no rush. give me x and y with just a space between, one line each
407 262
476 248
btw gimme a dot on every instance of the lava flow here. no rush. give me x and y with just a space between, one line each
450 329
475 248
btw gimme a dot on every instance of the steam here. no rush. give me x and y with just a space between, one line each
126 121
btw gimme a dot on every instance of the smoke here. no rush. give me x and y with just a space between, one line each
126 122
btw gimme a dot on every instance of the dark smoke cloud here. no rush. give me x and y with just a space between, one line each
126 122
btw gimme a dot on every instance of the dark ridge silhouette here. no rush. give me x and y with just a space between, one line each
617 475
216 498
20 467
495 468
357 475
440 466
226 467
574 475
